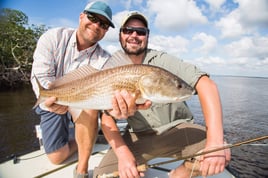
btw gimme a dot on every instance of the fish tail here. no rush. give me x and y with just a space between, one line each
39 100
40 89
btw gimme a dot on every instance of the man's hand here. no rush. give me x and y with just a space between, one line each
215 162
53 107
124 105
127 166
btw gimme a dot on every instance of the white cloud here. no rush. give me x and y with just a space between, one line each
224 37
248 47
209 42
263 62
175 45
242 66
62 22
253 13
230 26
203 61
245 57
174 15
126 3
243 54
247 19
212 65
118 18
137 2
215 4
113 33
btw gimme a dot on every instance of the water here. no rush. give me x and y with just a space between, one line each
244 102
17 123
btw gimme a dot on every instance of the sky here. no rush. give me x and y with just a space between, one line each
222 37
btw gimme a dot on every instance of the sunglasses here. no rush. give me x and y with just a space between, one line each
95 19
139 30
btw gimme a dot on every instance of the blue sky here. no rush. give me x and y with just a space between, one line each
222 37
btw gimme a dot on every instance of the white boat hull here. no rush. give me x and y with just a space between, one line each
39 166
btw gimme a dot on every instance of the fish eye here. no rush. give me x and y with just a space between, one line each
178 84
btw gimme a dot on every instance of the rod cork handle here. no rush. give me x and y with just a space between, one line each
140 168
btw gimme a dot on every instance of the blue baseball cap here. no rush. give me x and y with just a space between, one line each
101 8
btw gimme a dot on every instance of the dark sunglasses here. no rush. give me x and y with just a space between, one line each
95 19
139 30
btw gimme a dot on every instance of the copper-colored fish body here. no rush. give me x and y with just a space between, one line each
86 90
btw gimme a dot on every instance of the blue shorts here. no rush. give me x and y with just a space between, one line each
55 129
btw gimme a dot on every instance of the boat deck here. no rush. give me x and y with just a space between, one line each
36 164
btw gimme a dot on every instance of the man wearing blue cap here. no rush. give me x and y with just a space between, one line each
59 51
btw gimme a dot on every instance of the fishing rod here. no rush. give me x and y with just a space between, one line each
210 151
144 167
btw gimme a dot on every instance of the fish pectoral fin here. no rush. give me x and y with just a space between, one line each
75 112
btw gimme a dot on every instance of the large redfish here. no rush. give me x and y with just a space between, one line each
86 88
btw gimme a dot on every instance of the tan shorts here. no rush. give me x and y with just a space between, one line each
182 140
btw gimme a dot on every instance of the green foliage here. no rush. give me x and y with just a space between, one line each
17 44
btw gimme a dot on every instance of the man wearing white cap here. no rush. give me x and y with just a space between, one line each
163 130
58 52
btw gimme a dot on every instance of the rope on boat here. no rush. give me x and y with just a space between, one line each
143 167
61 167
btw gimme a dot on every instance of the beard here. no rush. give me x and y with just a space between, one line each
136 51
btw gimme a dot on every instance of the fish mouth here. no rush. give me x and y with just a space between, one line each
183 98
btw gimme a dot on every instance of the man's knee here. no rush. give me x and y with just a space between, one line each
60 155
189 168
193 167
54 159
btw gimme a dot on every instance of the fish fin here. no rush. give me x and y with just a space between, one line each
39 101
75 112
40 89
81 72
